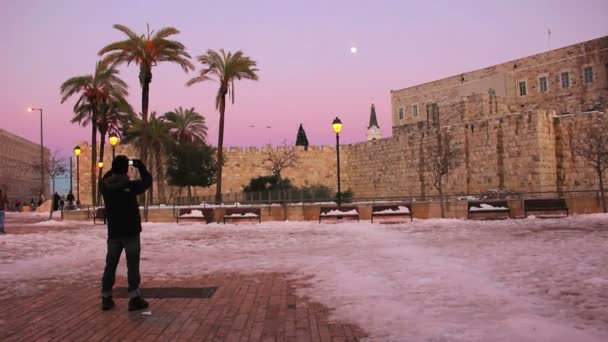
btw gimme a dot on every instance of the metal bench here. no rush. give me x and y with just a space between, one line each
491 206
339 212
392 210
194 213
545 204
243 213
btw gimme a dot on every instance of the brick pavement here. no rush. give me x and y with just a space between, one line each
246 307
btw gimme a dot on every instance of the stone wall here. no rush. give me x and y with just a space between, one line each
503 79
18 178
519 152
315 166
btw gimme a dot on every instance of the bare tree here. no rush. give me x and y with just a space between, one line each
591 143
54 166
442 157
283 157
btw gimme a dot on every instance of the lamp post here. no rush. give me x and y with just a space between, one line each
30 109
100 167
77 153
337 126
113 139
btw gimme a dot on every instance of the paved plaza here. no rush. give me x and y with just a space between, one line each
428 280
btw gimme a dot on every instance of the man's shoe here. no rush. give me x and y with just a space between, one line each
137 303
107 303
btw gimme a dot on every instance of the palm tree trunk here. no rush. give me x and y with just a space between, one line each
145 77
102 143
93 157
160 179
220 147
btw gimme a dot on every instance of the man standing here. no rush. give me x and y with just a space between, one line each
124 226
3 208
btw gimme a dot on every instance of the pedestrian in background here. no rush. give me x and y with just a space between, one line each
3 209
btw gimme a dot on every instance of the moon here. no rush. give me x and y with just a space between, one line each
353 50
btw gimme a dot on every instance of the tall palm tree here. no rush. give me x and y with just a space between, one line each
154 132
224 68
186 126
146 50
94 90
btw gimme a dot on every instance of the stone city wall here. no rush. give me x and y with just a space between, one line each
519 152
316 166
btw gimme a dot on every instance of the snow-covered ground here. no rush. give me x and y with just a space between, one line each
429 280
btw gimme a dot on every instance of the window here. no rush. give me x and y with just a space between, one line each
588 74
400 113
565 79
542 84
522 88
415 110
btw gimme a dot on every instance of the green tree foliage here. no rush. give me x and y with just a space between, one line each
225 68
95 91
146 51
301 139
191 165
267 183
186 126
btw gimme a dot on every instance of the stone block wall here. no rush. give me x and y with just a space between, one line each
316 166
503 79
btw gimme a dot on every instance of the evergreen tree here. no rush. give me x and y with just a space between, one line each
301 139
191 165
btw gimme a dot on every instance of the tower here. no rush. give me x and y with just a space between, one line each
373 129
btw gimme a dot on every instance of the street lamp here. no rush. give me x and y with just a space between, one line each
337 126
77 153
30 109
113 139
100 166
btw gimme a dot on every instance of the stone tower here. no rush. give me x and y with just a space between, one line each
373 129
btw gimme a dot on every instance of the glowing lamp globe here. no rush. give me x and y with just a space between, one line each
337 125
113 138
77 150
100 164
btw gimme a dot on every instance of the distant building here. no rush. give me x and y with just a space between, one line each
373 129
567 80
17 175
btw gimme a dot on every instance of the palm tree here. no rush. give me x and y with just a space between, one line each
146 50
224 68
94 90
154 132
186 126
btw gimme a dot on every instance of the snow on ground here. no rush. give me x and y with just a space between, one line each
430 280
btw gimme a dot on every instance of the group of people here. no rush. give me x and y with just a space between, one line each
60 201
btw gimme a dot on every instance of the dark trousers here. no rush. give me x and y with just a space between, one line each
132 248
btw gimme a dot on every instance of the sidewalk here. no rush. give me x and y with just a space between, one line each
245 307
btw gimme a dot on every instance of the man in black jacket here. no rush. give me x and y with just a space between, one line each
124 226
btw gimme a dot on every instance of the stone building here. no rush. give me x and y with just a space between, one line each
571 79
18 178
514 124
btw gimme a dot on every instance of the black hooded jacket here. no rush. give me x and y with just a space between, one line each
120 199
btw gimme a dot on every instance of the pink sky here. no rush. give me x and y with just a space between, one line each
307 73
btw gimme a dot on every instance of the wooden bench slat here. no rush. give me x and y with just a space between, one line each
324 212
500 206
545 204
380 210
241 213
